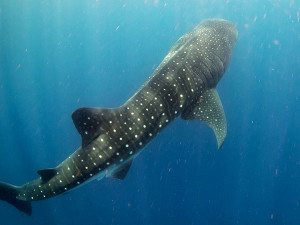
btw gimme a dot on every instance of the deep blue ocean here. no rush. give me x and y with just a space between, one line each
57 56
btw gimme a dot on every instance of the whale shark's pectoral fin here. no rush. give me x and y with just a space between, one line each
209 110
121 172
47 174
89 122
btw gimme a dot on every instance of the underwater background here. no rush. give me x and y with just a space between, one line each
57 56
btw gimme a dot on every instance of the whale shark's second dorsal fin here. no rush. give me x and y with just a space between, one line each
89 122
209 110
47 174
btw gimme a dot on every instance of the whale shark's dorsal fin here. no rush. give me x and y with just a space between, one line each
47 174
209 110
89 122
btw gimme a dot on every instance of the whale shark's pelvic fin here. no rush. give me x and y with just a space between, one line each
122 171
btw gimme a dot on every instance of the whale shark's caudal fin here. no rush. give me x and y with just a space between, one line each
9 194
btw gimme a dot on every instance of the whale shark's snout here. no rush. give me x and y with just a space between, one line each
225 26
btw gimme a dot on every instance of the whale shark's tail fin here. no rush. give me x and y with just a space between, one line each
9 194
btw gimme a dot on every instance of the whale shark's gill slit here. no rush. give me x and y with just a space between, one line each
199 72
206 63
213 69
221 64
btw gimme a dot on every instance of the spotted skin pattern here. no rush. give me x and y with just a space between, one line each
183 84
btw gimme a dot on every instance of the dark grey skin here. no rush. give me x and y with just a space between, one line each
182 85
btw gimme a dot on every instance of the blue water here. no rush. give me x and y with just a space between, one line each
57 56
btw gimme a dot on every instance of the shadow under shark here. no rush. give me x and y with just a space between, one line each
182 85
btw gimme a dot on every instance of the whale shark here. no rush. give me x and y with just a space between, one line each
183 85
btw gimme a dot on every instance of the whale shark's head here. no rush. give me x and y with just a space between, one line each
223 37
207 49
223 27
